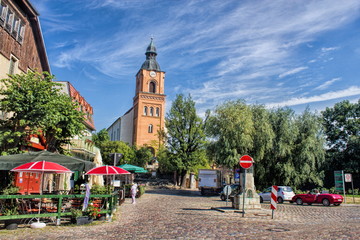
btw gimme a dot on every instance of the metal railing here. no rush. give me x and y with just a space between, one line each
60 203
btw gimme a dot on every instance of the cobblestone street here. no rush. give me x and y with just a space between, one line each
177 214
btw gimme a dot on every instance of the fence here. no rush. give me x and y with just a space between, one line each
27 206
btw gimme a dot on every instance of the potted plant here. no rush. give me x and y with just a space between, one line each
93 211
10 210
78 217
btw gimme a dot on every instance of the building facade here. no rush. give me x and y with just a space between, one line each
81 147
21 43
140 125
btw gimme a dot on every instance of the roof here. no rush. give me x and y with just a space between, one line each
150 62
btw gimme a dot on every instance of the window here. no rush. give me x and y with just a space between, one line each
9 20
3 12
157 111
21 32
151 111
152 87
150 129
13 62
145 110
15 27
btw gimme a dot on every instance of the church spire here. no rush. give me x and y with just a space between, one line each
150 62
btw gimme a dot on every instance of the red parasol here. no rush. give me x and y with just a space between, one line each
41 167
107 170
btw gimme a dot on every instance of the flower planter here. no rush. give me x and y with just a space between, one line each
82 220
12 224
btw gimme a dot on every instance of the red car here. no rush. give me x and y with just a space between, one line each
325 198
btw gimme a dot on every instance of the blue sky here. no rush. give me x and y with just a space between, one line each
277 53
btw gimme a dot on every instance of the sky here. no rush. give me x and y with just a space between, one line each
280 53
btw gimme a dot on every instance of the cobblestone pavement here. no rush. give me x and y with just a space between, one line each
178 214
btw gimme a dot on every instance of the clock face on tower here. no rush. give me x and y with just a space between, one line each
152 74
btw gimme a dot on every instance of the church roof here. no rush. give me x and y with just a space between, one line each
150 62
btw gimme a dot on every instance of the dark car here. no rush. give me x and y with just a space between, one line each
323 198
235 188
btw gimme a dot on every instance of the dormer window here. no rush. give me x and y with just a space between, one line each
152 87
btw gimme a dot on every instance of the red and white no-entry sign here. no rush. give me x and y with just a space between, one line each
246 161
274 190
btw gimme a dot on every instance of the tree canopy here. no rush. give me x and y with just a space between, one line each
286 149
31 103
185 135
342 129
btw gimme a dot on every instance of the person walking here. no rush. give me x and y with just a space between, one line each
133 192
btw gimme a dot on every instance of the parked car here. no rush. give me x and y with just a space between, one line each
235 188
325 199
284 193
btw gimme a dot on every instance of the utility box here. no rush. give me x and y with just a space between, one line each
210 181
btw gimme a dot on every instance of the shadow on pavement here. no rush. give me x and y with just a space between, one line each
177 192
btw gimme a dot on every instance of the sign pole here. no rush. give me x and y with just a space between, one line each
244 192
343 182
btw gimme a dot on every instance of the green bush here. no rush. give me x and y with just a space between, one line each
101 190
9 190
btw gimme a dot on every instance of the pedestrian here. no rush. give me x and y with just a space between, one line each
133 192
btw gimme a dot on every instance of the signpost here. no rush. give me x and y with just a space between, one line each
274 190
348 178
339 182
245 162
227 192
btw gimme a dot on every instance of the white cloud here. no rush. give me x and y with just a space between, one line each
292 71
351 91
327 84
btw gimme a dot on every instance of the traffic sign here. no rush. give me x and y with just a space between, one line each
246 161
273 201
348 177
227 190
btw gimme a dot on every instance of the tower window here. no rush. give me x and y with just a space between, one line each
157 112
145 110
150 129
152 87
151 111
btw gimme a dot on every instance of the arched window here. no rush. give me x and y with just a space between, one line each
145 110
157 112
150 129
151 111
152 87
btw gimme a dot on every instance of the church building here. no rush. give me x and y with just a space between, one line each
139 126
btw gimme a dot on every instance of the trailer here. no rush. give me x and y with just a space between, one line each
210 181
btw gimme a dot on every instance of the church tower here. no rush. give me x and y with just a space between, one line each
149 101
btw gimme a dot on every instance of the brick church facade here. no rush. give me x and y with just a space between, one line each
140 125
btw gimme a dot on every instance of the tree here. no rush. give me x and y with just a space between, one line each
100 137
34 103
186 137
108 147
286 149
231 128
143 155
342 130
